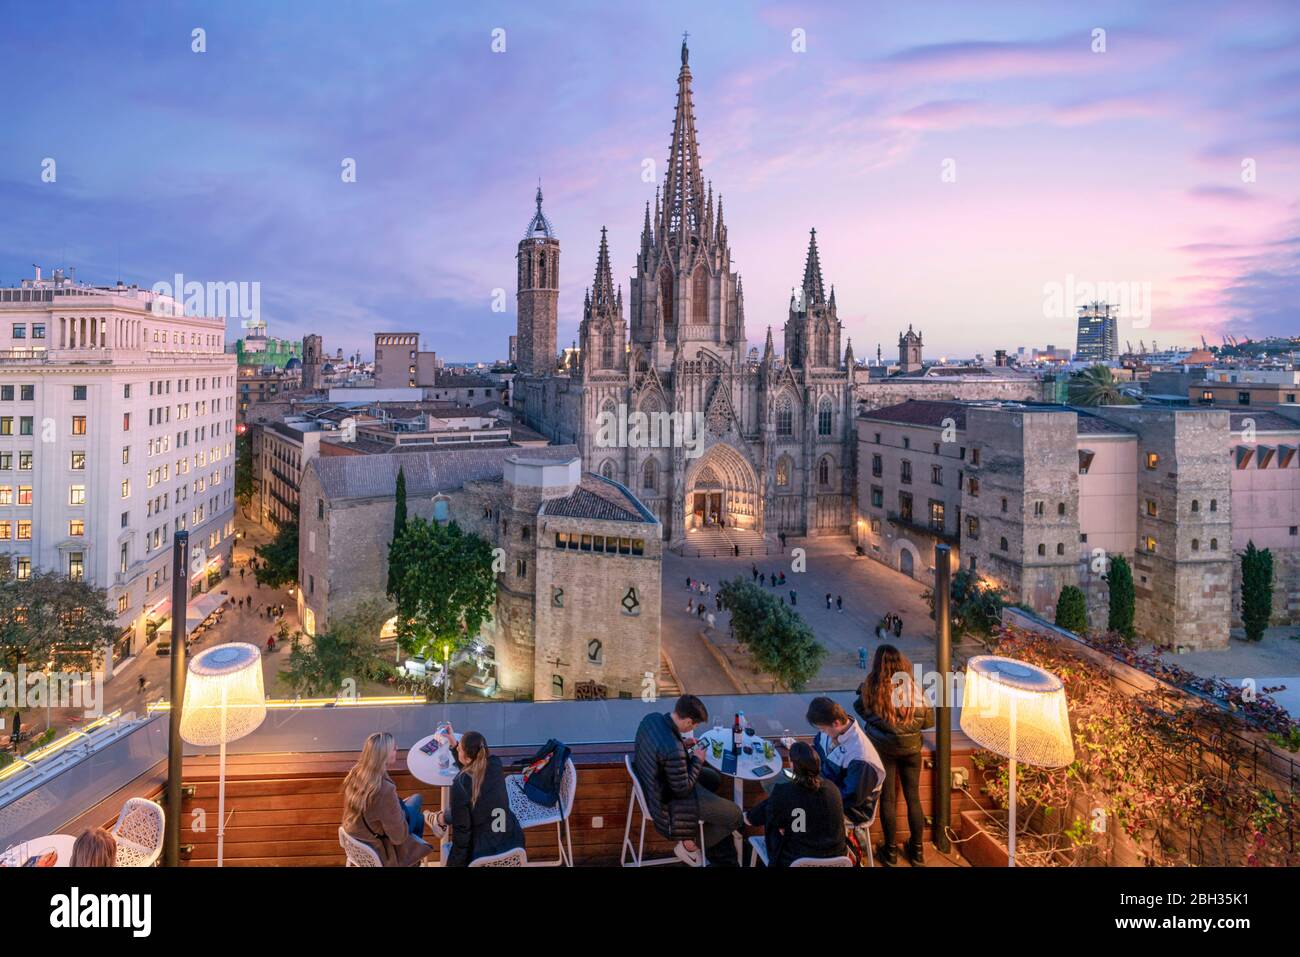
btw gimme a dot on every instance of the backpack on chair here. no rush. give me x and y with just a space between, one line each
544 772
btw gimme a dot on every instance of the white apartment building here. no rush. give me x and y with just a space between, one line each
116 430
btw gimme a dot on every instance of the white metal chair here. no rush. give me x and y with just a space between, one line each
866 829
636 800
139 833
758 845
516 858
531 814
359 853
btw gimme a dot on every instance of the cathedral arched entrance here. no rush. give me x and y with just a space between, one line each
722 490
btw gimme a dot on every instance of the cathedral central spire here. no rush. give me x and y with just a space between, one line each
684 202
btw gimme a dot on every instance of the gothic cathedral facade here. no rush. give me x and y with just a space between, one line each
776 444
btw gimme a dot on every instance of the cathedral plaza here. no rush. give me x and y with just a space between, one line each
870 591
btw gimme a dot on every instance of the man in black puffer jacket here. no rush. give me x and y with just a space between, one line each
679 787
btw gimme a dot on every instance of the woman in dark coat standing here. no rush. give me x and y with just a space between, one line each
804 815
894 713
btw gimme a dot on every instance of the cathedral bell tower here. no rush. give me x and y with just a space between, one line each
538 295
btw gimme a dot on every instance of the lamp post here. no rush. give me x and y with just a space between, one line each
943 710
224 701
175 749
1017 710
446 671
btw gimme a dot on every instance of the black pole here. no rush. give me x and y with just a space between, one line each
943 714
175 753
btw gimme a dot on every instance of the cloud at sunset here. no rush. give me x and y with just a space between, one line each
1118 166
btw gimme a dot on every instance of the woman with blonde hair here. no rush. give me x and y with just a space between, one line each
894 712
372 811
95 847
482 824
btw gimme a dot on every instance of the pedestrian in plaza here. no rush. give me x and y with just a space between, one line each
898 626
781 536
753 569
241 573
140 683
794 597
690 606
718 601
762 579
711 620
17 733
862 658
783 578
688 582
839 603
828 601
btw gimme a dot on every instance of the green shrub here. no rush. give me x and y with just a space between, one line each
1072 610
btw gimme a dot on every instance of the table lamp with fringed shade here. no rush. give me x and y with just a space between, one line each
1017 710
224 700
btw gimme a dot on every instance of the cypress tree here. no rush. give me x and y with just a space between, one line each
399 526
1256 590
1072 610
1122 597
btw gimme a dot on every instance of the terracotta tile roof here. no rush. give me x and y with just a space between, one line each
1264 422
926 412
598 498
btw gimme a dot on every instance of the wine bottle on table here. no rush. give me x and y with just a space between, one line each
736 743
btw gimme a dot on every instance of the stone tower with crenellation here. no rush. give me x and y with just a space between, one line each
538 295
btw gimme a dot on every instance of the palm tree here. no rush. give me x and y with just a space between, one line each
1095 386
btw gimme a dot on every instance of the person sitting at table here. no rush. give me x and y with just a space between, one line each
373 813
849 761
680 788
482 824
95 847
803 815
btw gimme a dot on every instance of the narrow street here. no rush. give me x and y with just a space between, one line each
250 624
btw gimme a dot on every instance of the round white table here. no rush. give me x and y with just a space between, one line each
747 765
424 767
61 844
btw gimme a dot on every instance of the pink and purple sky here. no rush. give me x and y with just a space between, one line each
1121 166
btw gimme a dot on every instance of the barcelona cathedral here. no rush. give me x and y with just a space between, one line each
776 443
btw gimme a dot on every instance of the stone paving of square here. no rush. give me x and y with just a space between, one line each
870 590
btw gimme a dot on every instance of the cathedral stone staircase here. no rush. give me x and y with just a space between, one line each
714 542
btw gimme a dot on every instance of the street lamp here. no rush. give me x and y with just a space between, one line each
446 671
1017 710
